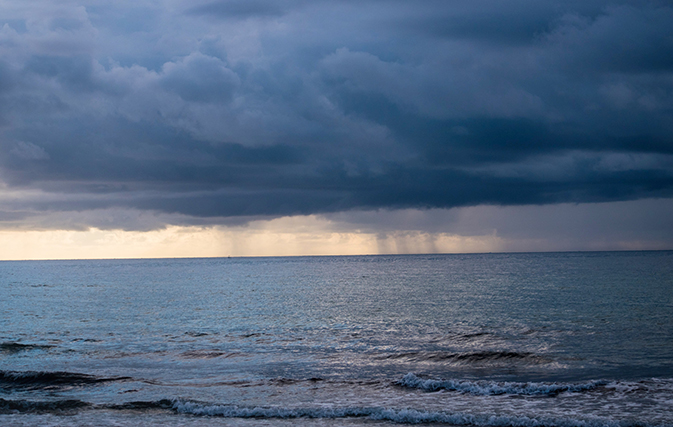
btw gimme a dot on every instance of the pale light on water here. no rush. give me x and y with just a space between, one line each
493 339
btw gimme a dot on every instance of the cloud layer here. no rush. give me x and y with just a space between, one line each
222 111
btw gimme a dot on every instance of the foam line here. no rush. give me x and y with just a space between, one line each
488 388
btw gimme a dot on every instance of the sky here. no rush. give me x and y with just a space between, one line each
178 128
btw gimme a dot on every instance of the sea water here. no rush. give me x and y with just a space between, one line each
537 339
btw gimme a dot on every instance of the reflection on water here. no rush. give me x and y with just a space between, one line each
558 338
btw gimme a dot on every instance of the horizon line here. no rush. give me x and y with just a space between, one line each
335 256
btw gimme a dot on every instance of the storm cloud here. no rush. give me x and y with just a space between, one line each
218 110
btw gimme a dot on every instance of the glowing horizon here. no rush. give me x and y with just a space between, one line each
376 233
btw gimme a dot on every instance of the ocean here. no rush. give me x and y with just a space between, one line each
526 339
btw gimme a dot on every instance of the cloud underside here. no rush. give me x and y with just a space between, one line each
228 111
633 225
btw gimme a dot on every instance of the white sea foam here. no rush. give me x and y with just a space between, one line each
487 388
403 416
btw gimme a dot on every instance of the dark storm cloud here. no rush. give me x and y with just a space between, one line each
333 106
241 9
201 79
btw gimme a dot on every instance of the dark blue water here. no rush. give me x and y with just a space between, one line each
567 339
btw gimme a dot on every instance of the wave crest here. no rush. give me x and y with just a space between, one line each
15 347
26 406
402 416
489 388
38 379
471 358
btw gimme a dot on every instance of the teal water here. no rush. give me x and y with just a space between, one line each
490 339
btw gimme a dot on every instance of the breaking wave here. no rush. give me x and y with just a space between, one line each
400 416
489 388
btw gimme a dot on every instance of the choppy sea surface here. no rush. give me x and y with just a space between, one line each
537 339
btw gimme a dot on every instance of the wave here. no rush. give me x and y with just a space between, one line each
15 347
38 379
26 406
489 388
208 354
476 357
401 416
142 405
290 381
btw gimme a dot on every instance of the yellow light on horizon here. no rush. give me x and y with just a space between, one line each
289 236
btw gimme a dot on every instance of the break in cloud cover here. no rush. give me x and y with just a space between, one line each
220 112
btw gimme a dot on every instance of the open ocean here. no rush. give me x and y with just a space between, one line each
529 339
